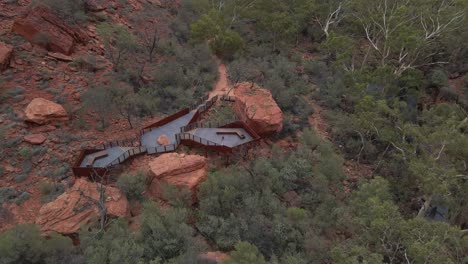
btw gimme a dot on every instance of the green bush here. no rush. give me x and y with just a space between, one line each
25 153
25 244
21 177
73 11
50 191
132 186
22 197
439 78
7 194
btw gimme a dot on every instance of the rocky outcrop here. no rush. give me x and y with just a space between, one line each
5 55
184 171
42 27
163 140
94 6
35 139
59 56
257 108
42 111
77 207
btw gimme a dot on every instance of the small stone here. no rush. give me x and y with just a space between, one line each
163 140
35 139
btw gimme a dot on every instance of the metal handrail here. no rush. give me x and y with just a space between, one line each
126 155
229 98
206 125
188 136
128 142
162 149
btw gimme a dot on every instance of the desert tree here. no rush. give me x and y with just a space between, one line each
99 100
404 34
328 14
118 41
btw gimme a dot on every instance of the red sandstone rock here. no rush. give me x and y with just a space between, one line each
257 108
163 140
186 171
77 207
41 111
5 55
94 6
35 139
60 56
42 27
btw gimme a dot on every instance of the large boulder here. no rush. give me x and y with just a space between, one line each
257 108
180 170
78 206
42 111
5 55
42 27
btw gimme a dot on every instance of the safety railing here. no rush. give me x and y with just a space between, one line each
198 103
129 142
188 136
162 149
228 98
127 154
206 125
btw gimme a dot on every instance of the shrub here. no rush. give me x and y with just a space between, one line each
132 185
21 177
24 244
7 194
25 152
72 11
21 198
50 191
439 78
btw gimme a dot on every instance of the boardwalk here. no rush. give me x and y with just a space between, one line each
223 139
171 129
228 140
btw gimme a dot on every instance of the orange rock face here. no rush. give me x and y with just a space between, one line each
257 108
77 207
42 111
163 140
186 171
5 55
42 27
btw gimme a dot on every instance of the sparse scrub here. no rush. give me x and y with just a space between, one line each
50 191
132 185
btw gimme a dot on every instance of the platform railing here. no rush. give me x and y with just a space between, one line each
162 149
129 142
228 98
206 142
127 154
206 125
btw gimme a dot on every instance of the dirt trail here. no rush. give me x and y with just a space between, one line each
353 170
317 121
222 85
